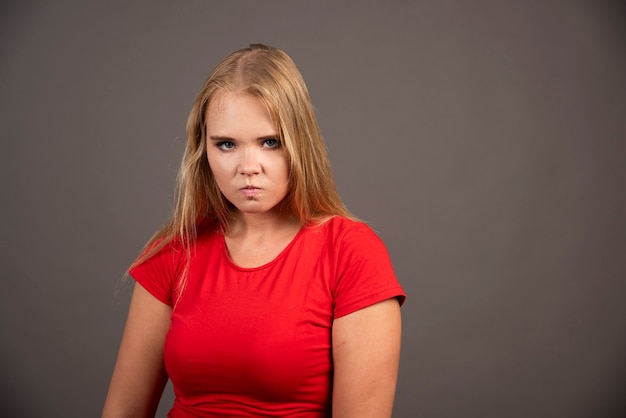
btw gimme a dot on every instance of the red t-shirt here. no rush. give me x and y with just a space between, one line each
257 341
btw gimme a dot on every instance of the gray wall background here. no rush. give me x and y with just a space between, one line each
483 140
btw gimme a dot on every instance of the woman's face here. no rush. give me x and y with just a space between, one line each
248 161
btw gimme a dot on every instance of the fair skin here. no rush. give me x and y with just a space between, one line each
139 375
251 169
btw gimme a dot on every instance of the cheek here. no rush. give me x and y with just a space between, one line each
218 166
282 165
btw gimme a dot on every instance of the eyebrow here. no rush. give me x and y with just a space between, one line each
227 138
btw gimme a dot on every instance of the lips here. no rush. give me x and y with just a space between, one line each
250 191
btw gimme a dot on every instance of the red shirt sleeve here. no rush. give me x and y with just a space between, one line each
159 274
365 275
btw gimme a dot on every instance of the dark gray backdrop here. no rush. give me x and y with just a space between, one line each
483 140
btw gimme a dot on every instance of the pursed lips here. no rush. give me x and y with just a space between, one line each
250 191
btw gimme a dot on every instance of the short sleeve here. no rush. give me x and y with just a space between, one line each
365 275
159 274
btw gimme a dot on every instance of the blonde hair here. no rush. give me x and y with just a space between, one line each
271 75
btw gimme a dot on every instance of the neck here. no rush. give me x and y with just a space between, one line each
254 240
263 224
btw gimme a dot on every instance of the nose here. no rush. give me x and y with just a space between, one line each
249 164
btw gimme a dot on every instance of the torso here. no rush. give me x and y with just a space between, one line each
256 340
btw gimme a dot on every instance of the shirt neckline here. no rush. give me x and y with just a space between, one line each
280 255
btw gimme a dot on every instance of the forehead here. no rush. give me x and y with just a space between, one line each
238 111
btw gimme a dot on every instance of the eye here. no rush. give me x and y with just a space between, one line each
271 143
225 145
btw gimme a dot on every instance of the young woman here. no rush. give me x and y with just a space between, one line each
262 296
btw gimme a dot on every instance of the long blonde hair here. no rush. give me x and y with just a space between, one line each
271 75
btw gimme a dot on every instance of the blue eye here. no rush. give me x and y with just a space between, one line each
271 143
225 145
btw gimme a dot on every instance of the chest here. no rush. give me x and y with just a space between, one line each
260 333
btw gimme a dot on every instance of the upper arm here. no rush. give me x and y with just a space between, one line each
366 354
139 375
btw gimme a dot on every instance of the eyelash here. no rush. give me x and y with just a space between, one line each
276 143
221 145
229 145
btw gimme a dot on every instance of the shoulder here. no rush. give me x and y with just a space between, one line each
364 272
347 241
341 228
173 252
348 233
